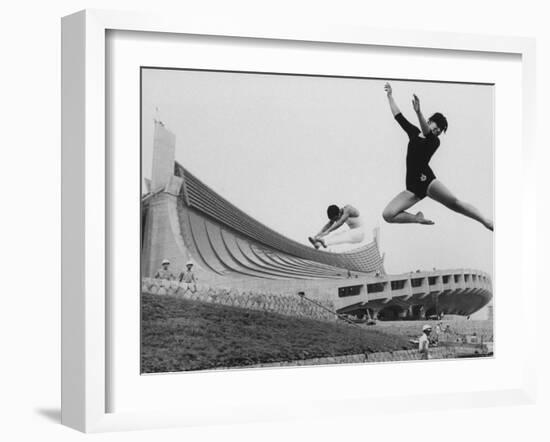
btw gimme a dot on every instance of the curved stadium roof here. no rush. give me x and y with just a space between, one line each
229 239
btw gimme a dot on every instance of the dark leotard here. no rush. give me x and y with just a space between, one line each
419 153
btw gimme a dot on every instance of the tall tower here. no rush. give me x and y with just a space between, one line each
161 238
164 156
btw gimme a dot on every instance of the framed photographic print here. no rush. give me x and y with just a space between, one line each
250 213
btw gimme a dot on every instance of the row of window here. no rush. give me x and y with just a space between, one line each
378 287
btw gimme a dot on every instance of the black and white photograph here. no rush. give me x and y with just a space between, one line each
275 221
299 220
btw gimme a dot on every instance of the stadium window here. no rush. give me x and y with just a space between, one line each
375 288
417 282
446 279
457 278
432 280
397 285
353 290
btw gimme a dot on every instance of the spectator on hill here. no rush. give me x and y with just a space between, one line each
437 334
187 277
164 272
424 342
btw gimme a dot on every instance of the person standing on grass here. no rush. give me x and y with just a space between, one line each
424 342
438 331
187 277
164 272
420 179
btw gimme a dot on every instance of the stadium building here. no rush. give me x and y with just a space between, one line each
183 219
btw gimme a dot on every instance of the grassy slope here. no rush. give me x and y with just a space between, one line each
179 335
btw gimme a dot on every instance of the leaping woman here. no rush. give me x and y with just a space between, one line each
420 180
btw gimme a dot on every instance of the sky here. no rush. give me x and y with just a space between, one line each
282 148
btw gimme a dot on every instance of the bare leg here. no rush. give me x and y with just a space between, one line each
351 236
395 211
438 192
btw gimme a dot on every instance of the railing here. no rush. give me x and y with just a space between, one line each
286 304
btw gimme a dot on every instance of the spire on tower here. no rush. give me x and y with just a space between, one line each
157 117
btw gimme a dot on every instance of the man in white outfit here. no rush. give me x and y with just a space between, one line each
337 216
164 271
188 279
424 341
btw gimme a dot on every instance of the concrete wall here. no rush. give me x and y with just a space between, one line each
160 239
387 356
286 304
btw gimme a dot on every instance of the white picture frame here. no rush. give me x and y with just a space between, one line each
85 202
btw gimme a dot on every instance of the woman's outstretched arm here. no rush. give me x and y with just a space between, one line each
412 130
423 123
393 106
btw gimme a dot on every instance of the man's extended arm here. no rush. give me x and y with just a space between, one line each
336 224
324 229
423 123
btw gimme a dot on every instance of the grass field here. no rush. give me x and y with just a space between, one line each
182 335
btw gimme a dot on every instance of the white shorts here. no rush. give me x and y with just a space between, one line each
351 236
